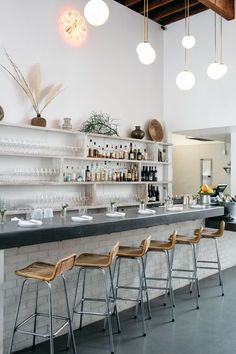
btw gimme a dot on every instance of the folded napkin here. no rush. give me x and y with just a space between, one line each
175 208
29 223
146 211
117 214
15 219
81 218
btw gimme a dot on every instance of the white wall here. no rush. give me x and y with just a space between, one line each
104 74
210 103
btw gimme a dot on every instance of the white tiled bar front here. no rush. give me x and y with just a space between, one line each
15 258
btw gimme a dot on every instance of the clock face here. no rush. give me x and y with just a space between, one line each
74 26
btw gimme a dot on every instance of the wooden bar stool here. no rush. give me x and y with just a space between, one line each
211 234
164 247
137 254
100 262
45 273
192 242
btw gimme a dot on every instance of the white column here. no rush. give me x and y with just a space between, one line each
1 299
233 163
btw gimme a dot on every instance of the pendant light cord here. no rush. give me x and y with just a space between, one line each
188 17
215 39
145 5
144 20
221 40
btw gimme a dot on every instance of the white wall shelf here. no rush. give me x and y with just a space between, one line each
29 153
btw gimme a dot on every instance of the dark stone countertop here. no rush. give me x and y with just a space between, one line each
58 228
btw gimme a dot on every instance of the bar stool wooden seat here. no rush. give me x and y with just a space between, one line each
214 235
191 242
90 262
164 247
45 273
137 254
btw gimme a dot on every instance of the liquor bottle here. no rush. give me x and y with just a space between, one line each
131 153
121 152
97 173
102 175
135 153
153 194
129 175
105 172
157 194
145 154
139 155
73 174
164 156
90 149
67 174
94 149
126 153
159 155
150 177
113 156
149 193
146 174
155 178
135 173
117 154
107 152
143 174
87 175
92 173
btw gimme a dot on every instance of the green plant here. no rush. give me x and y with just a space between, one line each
38 97
100 123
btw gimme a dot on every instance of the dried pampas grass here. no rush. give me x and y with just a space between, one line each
39 98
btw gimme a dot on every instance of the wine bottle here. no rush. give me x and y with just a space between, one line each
157 194
139 155
155 178
88 175
131 153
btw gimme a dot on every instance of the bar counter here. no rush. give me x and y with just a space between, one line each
62 228
60 237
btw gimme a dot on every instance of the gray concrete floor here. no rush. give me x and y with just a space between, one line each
209 330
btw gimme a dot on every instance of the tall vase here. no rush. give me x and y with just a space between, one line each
39 121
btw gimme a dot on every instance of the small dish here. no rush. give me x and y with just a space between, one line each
117 214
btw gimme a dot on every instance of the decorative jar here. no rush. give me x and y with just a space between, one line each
137 133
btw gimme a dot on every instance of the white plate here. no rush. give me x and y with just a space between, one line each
146 211
115 215
29 223
81 218
175 208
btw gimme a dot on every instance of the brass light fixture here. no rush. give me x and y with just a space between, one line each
146 53
217 69
188 40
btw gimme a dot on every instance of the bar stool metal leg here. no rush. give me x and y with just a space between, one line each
114 299
141 296
219 267
108 312
82 300
169 285
74 304
50 317
17 314
69 315
195 278
36 312
146 288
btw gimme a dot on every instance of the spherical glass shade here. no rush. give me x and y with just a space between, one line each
96 12
185 80
146 53
216 70
188 41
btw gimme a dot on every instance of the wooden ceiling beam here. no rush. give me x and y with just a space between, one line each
224 8
180 15
153 5
129 3
172 9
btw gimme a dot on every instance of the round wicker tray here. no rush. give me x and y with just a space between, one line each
155 130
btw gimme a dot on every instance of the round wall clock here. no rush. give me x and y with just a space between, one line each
74 26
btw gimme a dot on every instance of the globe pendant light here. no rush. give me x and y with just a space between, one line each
185 80
217 69
96 12
188 40
146 53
